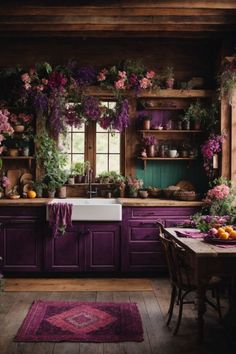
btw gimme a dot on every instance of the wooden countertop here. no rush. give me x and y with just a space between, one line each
152 202
135 202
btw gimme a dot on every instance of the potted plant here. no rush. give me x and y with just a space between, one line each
38 186
134 185
51 188
78 171
149 143
13 144
227 79
169 77
61 180
20 121
105 177
196 113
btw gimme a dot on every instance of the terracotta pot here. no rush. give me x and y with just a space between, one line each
146 124
26 151
19 128
13 152
78 179
151 151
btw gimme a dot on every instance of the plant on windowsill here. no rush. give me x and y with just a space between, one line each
78 171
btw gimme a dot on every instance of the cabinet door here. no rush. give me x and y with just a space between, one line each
102 247
141 248
65 253
21 245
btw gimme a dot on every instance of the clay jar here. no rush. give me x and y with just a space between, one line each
146 124
151 151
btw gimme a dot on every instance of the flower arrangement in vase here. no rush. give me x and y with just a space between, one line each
134 185
209 148
169 77
4 183
20 121
149 143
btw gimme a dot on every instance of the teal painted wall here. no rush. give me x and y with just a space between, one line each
165 173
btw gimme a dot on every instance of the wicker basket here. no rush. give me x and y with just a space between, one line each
185 195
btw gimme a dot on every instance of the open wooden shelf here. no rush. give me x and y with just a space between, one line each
27 158
172 93
145 159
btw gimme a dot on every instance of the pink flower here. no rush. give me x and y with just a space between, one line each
145 83
120 84
150 74
27 86
122 74
44 81
102 75
5 182
25 78
218 192
40 88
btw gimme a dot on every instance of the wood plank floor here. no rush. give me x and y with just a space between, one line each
152 306
78 284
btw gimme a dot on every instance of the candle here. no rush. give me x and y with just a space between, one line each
215 161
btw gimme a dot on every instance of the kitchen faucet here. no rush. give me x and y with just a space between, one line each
90 192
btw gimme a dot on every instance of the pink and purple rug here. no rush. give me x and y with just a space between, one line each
72 321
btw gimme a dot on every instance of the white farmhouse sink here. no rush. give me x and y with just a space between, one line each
94 209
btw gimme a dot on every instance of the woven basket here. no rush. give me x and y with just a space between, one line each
185 195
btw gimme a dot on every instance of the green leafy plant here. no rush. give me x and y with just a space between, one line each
227 77
195 112
78 169
168 73
48 155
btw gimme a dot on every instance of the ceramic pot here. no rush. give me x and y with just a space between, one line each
19 128
13 152
51 194
1 194
170 83
61 192
146 124
71 181
26 151
133 194
151 150
186 125
39 192
78 179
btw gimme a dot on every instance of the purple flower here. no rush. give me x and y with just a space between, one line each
149 140
121 117
86 75
91 108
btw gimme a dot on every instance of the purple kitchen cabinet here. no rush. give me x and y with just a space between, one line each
102 247
141 249
21 244
85 247
65 253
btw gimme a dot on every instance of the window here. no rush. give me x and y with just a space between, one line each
74 145
107 151
99 146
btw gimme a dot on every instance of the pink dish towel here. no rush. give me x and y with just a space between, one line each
191 234
59 217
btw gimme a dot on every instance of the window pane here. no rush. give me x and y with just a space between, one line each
65 143
77 158
102 143
114 143
78 142
114 163
102 164
100 129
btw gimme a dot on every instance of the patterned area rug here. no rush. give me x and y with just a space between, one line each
59 321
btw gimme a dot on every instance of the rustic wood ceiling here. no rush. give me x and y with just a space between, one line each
117 18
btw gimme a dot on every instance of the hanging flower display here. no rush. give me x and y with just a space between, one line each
212 146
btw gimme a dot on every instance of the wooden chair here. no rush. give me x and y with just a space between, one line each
181 279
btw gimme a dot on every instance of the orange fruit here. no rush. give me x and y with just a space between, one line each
224 235
220 230
233 234
31 194
229 229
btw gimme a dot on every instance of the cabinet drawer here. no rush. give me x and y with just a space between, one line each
144 212
143 231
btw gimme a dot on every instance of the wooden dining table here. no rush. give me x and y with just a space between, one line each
208 260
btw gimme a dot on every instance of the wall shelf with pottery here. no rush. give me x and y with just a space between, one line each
145 159
29 158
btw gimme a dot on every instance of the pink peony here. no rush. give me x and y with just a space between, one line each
150 74
120 84
122 74
25 78
102 75
218 192
145 83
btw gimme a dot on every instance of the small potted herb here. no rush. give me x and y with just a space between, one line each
169 77
78 171
38 187
196 114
